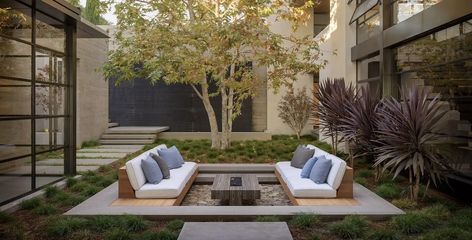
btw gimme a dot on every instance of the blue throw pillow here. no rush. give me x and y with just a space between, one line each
171 156
152 172
320 171
307 167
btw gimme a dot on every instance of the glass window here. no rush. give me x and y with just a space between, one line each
49 133
15 139
368 25
15 178
50 67
321 21
15 20
15 59
49 167
404 9
441 63
50 33
15 97
49 99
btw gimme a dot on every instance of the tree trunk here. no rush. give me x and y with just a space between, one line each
224 119
416 189
205 97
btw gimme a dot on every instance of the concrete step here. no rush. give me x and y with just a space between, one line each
107 150
100 155
129 136
125 141
136 130
133 148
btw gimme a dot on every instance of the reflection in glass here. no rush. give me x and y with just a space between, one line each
404 9
50 33
442 64
15 97
49 67
15 178
368 25
49 167
15 20
15 59
15 138
49 133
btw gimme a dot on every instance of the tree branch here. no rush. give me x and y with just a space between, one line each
196 91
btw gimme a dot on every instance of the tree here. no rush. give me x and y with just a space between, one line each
294 109
406 137
93 10
74 2
209 43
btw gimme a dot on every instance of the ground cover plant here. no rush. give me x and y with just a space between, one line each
435 216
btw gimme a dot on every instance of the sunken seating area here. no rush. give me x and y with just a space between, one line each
339 182
132 181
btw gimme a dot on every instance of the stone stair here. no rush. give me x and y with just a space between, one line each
131 135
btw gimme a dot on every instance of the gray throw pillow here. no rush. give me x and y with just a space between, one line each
301 156
320 171
162 165
151 170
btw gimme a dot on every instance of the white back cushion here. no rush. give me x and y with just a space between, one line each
134 170
338 168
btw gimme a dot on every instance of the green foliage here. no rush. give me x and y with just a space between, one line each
361 180
13 231
162 235
462 219
437 211
384 234
118 234
134 223
31 203
294 109
104 223
90 144
51 191
388 190
6 217
267 219
79 187
67 199
315 237
305 220
350 227
82 235
414 222
175 225
45 209
62 226
445 233
71 181
405 204
364 173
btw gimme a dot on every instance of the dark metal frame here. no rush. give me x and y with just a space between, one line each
70 79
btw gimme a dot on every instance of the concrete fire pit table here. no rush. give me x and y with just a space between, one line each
248 192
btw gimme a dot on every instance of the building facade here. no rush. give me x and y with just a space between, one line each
38 92
392 45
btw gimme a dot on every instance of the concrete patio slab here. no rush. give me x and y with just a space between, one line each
100 155
80 161
106 150
131 147
370 205
48 170
235 231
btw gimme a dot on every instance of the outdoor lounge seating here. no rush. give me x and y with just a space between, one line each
132 182
339 183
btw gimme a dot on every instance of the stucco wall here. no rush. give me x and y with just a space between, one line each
336 41
275 125
92 90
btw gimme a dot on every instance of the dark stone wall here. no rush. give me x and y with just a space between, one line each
138 103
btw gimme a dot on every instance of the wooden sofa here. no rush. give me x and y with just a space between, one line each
303 191
169 192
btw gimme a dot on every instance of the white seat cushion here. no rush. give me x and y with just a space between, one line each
171 187
303 187
338 169
135 172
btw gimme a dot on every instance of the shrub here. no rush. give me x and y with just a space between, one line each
350 227
105 182
67 199
267 219
13 231
462 219
305 220
45 209
294 109
118 234
384 234
30 203
405 203
90 190
65 225
103 223
51 191
175 225
71 181
413 222
361 180
89 144
6 217
364 173
437 211
315 237
82 235
79 187
134 223
452 233
388 190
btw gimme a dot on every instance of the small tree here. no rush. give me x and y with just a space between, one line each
294 109
92 12
406 137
